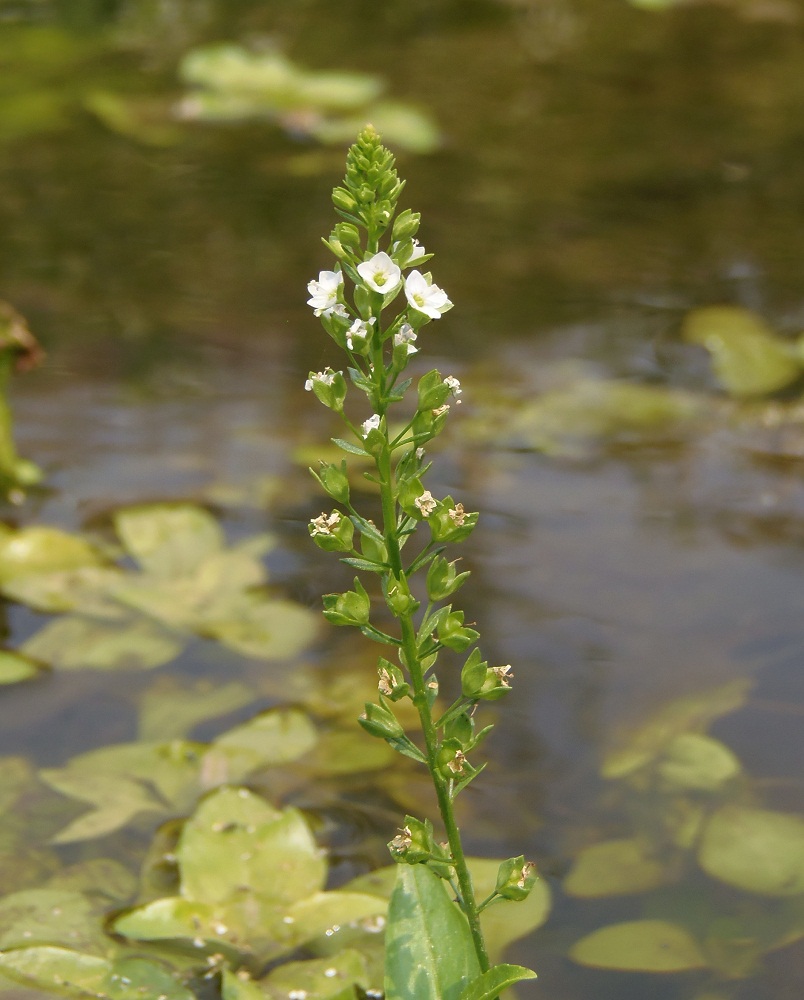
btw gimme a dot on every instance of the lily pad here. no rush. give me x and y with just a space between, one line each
169 540
748 357
265 629
614 867
697 762
757 850
639 946
275 737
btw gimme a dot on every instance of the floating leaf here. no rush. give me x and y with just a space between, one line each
330 912
399 124
172 918
331 978
102 877
275 737
429 951
40 549
755 849
692 712
169 540
85 975
492 983
236 840
75 643
749 359
169 709
639 946
48 916
86 589
614 867
697 762
14 667
266 629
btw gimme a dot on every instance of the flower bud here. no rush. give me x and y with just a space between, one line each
406 225
335 481
329 386
332 532
347 234
399 598
473 675
413 844
451 523
433 391
442 580
344 201
451 760
454 635
380 721
349 608
391 682
515 878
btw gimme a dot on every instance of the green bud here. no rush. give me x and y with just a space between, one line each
515 878
335 481
406 225
414 844
330 388
344 201
454 635
473 675
350 608
433 391
380 721
442 580
410 491
450 522
332 532
348 235
399 598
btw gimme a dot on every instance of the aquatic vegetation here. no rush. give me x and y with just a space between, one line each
433 947
188 583
19 351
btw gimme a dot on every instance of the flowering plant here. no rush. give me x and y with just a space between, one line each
351 302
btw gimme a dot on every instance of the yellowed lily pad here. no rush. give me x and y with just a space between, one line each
748 357
639 946
614 867
757 850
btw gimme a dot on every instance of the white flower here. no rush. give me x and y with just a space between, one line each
454 385
380 273
425 297
416 253
324 292
458 515
358 329
372 424
324 523
406 335
426 503
326 377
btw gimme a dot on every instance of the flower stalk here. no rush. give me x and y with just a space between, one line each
374 305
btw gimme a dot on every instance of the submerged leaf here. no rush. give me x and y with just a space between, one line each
169 709
757 850
75 643
697 762
748 357
639 946
614 867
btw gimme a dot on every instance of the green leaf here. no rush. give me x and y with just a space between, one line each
74 643
87 589
757 850
324 912
169 709
48 916
698 762
263 628
15 668
239 986
172 918
275 737
492 983
318 978
639 946
614 867
118 801
352 449
40 549
748 357
169 540
507 921
429 951
235 840
75 973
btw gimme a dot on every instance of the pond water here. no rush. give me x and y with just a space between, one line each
601 171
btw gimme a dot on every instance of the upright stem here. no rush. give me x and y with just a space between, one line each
420 700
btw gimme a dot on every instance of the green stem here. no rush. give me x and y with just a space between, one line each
429 731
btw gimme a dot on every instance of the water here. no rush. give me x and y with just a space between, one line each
603 170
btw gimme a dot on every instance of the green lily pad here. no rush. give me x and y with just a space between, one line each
330 978
748 357
639 946
236 840
41 549
169 709
697 762
275 737
169 540
83 975
690 713
76 643
757 850
614 867
15 668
